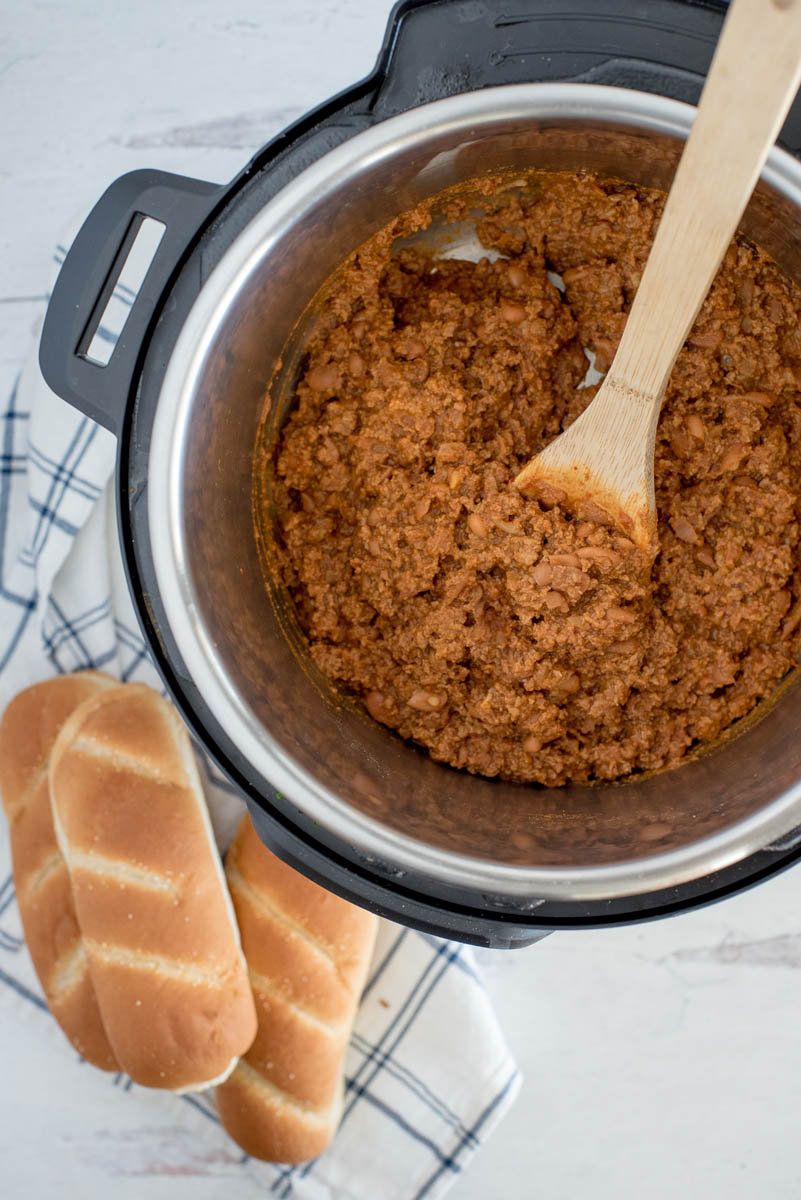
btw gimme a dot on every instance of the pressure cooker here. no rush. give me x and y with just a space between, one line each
461 88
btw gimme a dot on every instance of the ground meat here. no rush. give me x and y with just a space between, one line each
509 639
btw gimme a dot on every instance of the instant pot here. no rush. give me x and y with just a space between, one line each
461 88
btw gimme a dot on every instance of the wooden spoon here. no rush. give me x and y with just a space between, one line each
605 459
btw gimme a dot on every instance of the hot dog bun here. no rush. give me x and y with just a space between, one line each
158 925
28 731
308 953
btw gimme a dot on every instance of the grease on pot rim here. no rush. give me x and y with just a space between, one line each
506 636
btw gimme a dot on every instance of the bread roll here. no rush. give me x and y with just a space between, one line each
158 925
28 732
308 954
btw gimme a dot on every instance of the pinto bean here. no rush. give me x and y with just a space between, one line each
427 701
683 530
542 574
324 379
556 602
696 427
513 313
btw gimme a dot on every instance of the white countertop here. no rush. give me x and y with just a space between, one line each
659 1060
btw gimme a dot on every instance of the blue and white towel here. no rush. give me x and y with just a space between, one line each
428 1072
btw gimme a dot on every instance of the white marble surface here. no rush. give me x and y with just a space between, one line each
660 1060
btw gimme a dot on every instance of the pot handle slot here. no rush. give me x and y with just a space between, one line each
95 278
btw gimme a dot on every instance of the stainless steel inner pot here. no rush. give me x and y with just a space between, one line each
355 779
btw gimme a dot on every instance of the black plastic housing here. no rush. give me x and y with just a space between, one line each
432 48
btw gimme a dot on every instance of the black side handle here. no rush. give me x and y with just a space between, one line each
88 277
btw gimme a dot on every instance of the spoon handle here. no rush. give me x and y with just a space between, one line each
753 78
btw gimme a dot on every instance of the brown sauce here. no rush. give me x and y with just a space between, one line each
507 638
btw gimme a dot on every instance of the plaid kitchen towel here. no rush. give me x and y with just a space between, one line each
428 1073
